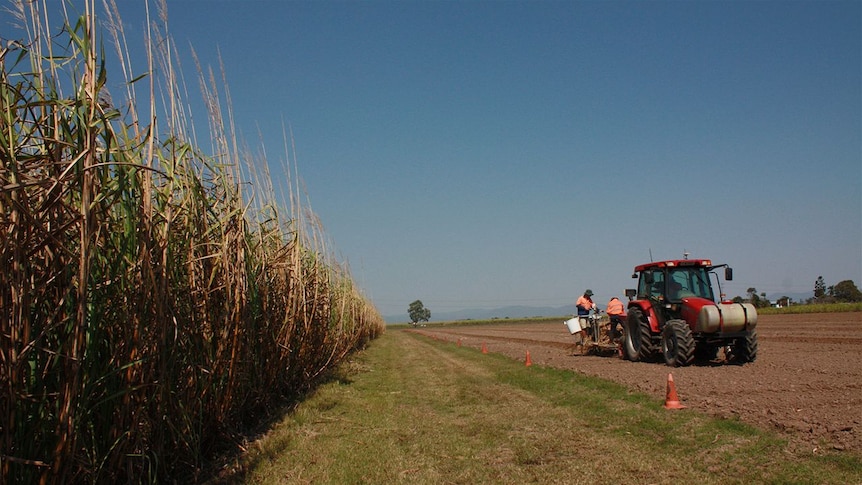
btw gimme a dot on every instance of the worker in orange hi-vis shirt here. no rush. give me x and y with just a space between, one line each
617 312
585 305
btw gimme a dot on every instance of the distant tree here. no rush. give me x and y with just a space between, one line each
819 287
418 312
846 291
738 299
758 301
752 296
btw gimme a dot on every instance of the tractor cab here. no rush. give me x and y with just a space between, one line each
672 281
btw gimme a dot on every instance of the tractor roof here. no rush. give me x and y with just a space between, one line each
673 263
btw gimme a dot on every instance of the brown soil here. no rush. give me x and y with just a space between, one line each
806 382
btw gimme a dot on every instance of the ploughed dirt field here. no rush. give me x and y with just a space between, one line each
806 382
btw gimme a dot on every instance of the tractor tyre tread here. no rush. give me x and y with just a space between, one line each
678 344
744 349
637 340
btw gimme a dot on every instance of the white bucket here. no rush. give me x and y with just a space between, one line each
573 325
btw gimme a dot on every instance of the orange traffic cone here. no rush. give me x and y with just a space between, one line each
528 362
672 400
484 348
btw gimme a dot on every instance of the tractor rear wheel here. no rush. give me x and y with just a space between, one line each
744 349
677 343
637 343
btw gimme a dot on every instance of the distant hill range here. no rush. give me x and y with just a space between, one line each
530 311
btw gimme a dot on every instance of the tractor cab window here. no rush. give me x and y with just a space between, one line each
687 283
678 286
651 285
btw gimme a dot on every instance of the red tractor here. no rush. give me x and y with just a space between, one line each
674 313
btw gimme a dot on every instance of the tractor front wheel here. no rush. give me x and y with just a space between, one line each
677 343
744 349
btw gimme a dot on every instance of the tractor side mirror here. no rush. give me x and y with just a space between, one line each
634 275
728 273
631 293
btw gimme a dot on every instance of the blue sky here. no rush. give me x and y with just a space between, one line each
477 154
